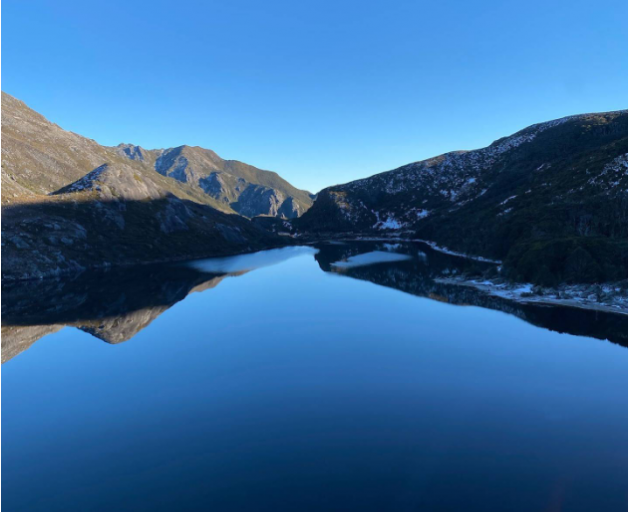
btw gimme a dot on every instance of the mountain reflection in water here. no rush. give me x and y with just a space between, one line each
115 305
416 275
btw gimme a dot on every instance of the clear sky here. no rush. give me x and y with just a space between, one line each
322 92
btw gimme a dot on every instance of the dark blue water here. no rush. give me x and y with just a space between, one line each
292 388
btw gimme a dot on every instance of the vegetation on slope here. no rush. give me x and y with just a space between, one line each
551 201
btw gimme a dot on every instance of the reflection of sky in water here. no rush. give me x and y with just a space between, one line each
289 388
371 258
249 261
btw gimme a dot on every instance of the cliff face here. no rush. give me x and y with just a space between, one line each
550 200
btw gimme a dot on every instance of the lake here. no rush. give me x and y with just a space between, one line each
338 377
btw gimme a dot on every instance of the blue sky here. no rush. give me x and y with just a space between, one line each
322 92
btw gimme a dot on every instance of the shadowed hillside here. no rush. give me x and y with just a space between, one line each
61 235
550 201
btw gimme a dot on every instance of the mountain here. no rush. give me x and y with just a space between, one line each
243 188
40 157
115 305
69 203
550 201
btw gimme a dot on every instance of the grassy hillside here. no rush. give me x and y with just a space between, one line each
39 157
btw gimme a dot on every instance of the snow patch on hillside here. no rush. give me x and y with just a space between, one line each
612 174
389 223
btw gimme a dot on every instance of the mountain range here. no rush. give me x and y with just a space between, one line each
39 157
69 203
549 203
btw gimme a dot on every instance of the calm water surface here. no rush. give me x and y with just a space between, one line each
344 379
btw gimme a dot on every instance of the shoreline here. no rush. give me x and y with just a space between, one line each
432 245
506 290
103 266
513 295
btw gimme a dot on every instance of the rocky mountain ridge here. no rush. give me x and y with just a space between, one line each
240 187
40 157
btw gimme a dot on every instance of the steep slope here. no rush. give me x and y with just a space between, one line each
243 188
39 157
550 200
70 204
